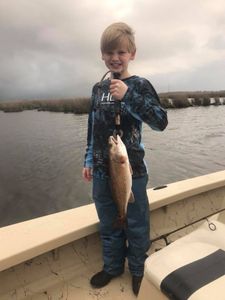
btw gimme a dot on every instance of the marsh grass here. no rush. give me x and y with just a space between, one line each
82 105
76 106
186 99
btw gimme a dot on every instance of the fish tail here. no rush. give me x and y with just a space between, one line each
120 223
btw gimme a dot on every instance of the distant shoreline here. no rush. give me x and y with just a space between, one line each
82 105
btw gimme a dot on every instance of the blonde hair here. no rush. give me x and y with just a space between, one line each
115 34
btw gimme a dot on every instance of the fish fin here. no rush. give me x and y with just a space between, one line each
122 159
131 199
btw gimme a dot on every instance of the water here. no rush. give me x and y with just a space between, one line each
41 157
193 144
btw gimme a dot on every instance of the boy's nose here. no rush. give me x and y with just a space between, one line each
115 56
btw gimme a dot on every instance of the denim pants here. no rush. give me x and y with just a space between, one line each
131 242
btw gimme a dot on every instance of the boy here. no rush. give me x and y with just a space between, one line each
138 103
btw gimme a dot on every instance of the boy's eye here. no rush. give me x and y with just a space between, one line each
110 53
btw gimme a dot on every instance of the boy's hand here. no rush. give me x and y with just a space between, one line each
118 89
87 174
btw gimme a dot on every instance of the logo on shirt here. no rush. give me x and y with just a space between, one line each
107 98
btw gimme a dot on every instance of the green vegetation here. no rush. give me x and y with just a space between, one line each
82 105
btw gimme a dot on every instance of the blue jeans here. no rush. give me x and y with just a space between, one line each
132 242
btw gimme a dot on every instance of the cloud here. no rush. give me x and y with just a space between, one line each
203 78
217 42
50 49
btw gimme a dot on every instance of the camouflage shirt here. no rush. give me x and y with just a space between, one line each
140 104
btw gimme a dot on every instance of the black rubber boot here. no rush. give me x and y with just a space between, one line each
136 284
101 279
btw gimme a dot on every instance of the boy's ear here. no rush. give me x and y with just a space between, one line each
133 55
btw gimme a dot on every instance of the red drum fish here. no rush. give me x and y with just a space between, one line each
120 178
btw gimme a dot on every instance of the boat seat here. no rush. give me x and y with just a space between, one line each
192 267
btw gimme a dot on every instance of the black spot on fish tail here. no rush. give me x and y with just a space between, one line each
120 223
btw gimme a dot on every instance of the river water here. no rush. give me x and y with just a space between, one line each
41 157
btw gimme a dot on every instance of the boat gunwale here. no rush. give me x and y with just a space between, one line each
180 190
25 240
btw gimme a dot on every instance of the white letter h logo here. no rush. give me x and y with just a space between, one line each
107 97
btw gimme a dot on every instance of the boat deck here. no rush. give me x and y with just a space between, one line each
63 274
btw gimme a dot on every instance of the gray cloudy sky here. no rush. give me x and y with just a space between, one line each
50 48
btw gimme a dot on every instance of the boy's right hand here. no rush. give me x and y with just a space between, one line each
118 89
87 173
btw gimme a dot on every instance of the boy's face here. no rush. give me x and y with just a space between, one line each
117 60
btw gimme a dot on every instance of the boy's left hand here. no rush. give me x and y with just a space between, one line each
118 89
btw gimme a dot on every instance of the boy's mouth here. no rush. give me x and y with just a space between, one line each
116 65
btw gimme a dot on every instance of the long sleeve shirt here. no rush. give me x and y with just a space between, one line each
140 104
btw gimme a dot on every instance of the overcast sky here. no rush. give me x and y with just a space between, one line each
50 48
